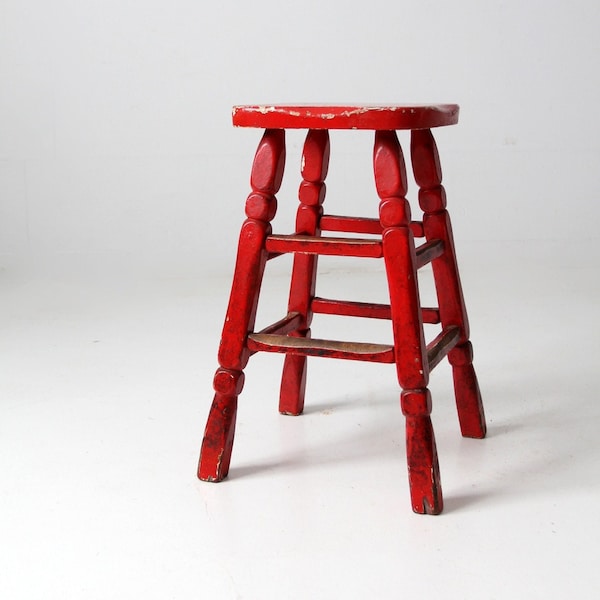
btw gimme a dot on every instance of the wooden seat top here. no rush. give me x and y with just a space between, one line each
375 117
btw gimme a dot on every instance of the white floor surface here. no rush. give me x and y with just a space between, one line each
105 386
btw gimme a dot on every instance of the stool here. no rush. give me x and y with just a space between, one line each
391 237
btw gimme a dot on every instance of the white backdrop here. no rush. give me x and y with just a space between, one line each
117 151
118 162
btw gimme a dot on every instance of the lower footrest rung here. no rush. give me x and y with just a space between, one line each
259 342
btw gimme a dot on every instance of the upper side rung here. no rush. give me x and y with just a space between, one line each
361 225
333 246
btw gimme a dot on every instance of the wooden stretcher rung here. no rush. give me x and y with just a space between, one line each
368 310
438 348
362 225
333 246
429 251
336 246
350 224
289 323
258 342
348 308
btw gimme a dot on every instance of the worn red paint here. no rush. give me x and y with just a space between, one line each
396 231
373 117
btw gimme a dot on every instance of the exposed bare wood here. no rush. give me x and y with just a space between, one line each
325 348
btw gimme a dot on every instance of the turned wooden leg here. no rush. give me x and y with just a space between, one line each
409 343
437 225
315 161
220 427
261 205
466 390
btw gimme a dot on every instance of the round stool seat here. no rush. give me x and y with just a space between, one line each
375 117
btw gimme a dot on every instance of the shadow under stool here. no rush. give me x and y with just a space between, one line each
391 237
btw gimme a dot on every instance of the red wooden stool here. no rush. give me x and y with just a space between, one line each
394 242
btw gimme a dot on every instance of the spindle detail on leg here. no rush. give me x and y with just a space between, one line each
436 225
407 324
315 162
261 206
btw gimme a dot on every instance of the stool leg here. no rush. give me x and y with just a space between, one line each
423 467
436 224
315 162
261 205
409 343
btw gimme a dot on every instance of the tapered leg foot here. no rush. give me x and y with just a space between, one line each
423 467
217 444
421 453
293 385
466 389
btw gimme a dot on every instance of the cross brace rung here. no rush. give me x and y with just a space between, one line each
361 225
368 310
336 246
333 246
439 347
429 251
